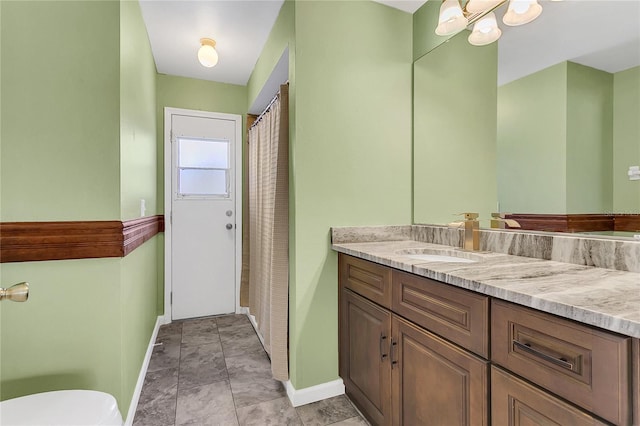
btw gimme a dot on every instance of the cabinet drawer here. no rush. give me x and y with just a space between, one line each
453 313
368 279
515 402
588 367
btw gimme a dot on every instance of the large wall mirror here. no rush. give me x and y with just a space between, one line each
544 122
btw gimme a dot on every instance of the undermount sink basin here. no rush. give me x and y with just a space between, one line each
441 255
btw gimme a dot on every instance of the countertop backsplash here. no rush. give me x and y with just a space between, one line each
622 255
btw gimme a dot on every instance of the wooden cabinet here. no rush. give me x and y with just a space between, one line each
434 381
365 333
586 366
414 351
396 372
515 402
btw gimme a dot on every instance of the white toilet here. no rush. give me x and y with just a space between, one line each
61 408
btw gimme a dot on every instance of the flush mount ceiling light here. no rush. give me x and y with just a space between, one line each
207 54
453 18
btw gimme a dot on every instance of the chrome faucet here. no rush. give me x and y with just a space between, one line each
471 228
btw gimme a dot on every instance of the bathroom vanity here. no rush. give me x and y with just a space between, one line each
499 340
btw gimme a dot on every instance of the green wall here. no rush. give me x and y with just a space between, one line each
80 145
555 141
1 276
454 125
139 271
60 161
425 21
61 110
138 312
589 139
351 157
67 335
138 174
626 140
282 35
532 132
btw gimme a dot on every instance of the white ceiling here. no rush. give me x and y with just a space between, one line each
240 28
603 34
406 5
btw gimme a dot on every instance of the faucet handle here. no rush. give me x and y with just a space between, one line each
468 216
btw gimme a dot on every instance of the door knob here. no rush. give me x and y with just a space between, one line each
229 226
17 292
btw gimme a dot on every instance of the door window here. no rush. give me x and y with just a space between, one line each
203 168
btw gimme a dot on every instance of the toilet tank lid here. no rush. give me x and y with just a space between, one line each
66 407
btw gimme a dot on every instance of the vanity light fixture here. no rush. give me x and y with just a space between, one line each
451 19
485 31
479 6
207 54
521 12
454 18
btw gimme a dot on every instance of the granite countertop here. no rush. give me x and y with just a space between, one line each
605 298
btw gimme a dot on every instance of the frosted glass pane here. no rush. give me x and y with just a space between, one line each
203 153
203 182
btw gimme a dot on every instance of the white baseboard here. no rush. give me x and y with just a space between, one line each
164 319
143 372
311 394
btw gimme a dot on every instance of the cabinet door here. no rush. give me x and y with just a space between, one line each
517 403
365 331
435 382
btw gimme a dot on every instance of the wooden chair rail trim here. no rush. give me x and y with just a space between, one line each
577 222
38 241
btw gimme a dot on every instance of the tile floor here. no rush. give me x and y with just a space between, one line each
214 371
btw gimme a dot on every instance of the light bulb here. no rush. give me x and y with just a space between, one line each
207 54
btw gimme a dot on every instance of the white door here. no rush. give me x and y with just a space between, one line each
203 216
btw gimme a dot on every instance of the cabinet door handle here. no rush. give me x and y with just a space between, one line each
382 346
391 351
535 352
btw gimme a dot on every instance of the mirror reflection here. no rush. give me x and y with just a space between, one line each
543 122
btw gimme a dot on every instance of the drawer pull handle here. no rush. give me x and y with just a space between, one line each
557 361
382 346
393 345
